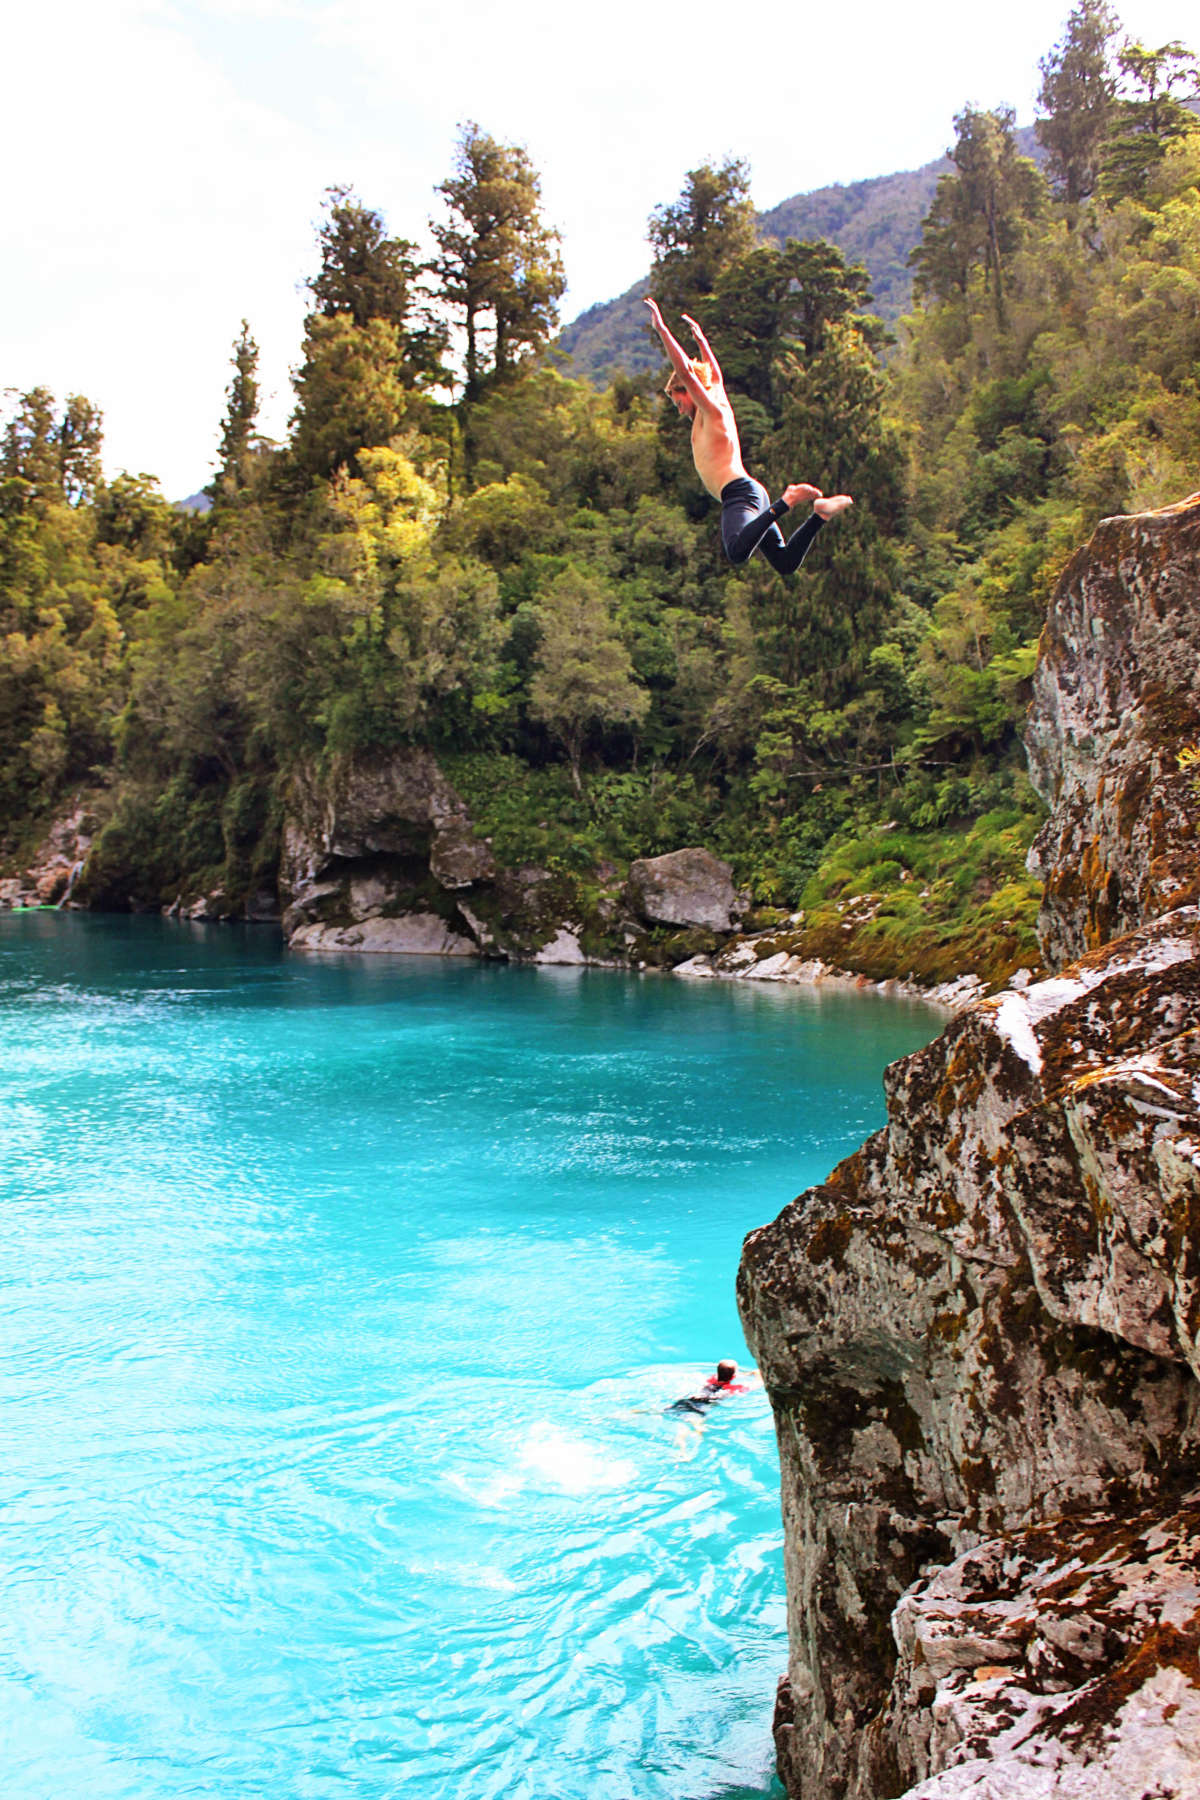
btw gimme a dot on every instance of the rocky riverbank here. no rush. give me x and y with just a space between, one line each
384 858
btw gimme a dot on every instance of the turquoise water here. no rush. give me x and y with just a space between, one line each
341 1301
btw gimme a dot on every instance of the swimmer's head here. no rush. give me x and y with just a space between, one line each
726 1370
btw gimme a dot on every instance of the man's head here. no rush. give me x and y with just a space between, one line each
676 387
726 1370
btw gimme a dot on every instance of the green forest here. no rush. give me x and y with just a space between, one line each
461 546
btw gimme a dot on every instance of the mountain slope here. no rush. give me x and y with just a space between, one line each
876 222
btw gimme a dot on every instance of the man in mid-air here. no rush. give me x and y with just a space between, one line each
749 522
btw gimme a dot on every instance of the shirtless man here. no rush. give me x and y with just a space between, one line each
748 520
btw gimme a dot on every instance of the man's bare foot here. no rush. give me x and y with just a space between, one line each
830 505
801 490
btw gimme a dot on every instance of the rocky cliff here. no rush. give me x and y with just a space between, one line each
980 1335
383 856
1116 698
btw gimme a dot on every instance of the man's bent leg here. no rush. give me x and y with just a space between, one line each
749 522
785 559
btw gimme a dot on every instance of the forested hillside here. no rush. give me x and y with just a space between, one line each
876 223
476 553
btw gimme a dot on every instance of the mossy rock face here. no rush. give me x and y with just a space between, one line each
667 952
1091 1611
988 1314
390 839
1116 698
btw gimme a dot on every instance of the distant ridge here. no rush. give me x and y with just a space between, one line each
876 222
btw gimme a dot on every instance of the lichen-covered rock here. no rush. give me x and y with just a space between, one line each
1063 1661
981 1335
985 1319
457 858
1116 698
685 887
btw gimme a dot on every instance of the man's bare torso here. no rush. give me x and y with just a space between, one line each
715 446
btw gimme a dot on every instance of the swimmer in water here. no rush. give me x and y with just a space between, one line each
749 521
715 1388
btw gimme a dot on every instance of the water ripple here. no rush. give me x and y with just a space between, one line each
341 1309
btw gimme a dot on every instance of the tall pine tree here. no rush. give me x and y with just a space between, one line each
370 344
1150 114
981 213
1076 99
237 427
699 235
499 265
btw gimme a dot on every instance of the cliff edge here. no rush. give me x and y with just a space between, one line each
981 1335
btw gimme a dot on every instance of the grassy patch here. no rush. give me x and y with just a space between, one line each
534 815
930 904
879 896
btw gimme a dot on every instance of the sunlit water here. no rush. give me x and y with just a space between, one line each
341 1303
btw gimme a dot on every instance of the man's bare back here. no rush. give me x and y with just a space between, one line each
698 392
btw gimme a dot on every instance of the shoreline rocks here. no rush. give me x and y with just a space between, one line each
740 962
357 886
383 858
56 866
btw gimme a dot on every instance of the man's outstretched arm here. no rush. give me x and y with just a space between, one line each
705 347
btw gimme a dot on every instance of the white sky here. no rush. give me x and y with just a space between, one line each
166 158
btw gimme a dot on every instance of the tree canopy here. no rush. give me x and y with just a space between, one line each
460 546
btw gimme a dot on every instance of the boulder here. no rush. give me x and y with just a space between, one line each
685 887
458 858
411 934
563 947
987 1318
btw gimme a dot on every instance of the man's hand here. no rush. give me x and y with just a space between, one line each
706 348
830 505
655 312
801 490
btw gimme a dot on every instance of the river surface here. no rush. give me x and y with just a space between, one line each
341 1302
